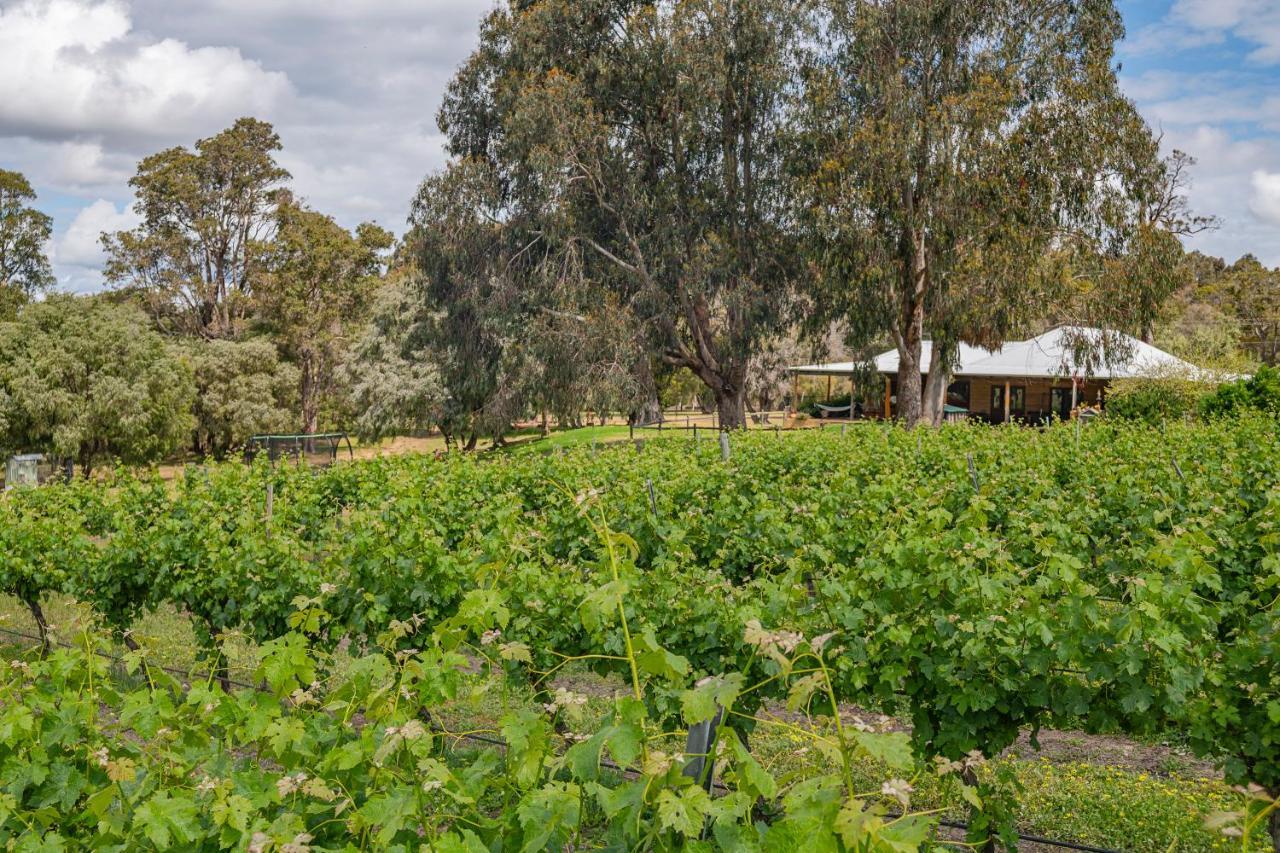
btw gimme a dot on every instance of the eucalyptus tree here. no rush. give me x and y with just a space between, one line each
392 374
646 141
316 283
24 268
207 218
470 306
948 150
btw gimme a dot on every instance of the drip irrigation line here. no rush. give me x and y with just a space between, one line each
498 742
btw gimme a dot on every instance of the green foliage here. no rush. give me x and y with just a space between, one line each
640 151
1155 399
394 382
242 389
24 269
1116 578
205 223
1260 392
83 379
912 233
150 762
318 281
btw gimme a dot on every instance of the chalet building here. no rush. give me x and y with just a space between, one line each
1027 381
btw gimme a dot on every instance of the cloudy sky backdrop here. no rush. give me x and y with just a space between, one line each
89 87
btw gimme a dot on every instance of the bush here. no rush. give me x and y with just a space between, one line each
1152 399
1261 392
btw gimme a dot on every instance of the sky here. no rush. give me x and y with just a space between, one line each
89 87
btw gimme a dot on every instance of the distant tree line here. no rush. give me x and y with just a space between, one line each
644 203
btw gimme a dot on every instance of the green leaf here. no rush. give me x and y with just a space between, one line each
683 811
166 819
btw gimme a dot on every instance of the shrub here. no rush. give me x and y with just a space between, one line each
1261 391
1152 399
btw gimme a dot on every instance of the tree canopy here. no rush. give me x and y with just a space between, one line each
949 149
643 144
207 217
86 380
24 269
243 388
317 281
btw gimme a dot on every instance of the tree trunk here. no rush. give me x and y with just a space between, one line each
731 406
936 382
910 333
472 441
1275 830
909 390
647 408
309 394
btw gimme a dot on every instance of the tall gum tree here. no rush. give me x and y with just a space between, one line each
646 140
947 149
207 218
317 282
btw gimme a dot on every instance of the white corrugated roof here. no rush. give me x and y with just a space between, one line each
1049 355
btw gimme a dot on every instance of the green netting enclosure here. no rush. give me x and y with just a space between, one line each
320 448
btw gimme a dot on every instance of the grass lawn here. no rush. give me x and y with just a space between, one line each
1061 797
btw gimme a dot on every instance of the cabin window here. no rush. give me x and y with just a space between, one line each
958 394
1018 399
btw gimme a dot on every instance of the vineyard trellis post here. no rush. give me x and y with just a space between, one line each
700 746
973 474
724 446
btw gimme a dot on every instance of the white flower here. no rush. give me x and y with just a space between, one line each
101 756
818 643
259 842
569 699
206 785
412 730
286 785
488 638
432 785
300 844
328 588
899 789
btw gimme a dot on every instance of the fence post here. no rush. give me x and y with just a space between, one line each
724 446
653 500
973 473
271 500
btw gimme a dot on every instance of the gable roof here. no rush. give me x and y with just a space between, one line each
1048 356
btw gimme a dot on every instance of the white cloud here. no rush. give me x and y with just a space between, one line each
1265 202
75 66
1254 21
77 252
